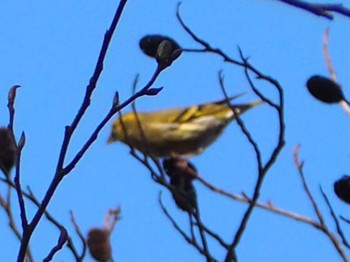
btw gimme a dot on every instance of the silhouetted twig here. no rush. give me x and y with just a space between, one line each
267 207
60 171
80 235
324 10
6 205
61 241
345 219
189 240
262 168
334 216
327 56
299 165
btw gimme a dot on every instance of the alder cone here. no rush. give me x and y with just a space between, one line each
342 188
99 244
325 89
8 154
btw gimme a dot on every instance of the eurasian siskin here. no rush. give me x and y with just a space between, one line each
179 131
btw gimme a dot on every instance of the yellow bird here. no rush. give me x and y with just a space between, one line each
176 132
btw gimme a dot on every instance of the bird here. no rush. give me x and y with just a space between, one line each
177 131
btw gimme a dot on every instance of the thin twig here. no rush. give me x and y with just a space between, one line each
267 207
262 169
206 251
60 173
345 220
111 219
160 179
18 187
6 205
30 196
61 241
299 165
241 124
327 56
336 221
206 46
178 228
323 10
80 235
214 235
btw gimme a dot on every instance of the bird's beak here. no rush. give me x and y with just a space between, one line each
244 107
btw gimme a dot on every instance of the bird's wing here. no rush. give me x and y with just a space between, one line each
213 108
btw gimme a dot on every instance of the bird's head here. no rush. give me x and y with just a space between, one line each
122 125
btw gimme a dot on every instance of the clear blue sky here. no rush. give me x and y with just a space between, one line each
50 49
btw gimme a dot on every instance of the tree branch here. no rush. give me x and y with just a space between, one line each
323 10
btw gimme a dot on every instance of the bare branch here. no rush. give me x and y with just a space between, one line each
30 196
68 134
111 219
80 235
323 10
241 124
189 240
336 221
262 168
327 56
61 241
299 166
18 185
317 211
267 207
206 46
6 205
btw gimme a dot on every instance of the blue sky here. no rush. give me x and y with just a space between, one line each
51 48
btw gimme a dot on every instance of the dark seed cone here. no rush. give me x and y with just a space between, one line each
149 44
99 244
181 173
163 48
325 89
177 166
8 153
184 193
342 188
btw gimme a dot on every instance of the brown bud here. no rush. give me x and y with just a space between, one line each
8 152
99 244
